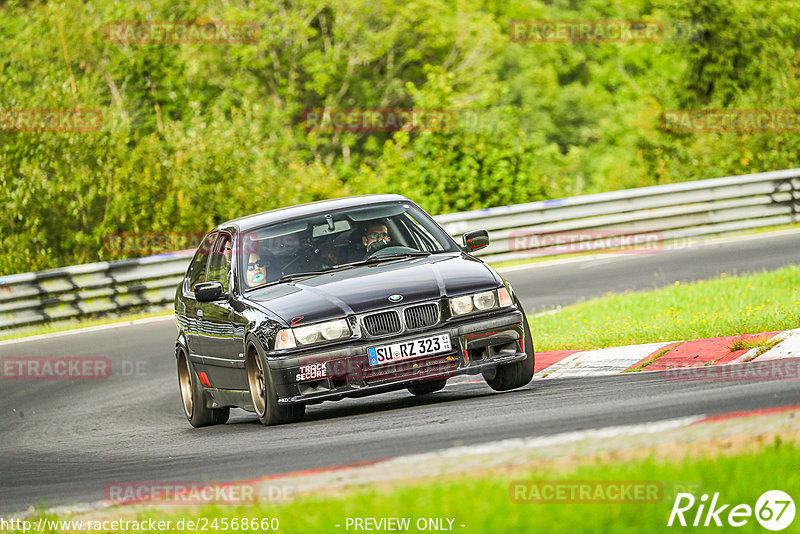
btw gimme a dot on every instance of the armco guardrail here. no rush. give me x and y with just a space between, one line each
69 292
663 212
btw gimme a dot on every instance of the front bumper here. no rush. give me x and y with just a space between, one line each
478 344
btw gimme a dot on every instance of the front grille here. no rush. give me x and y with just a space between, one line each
382 323
421 316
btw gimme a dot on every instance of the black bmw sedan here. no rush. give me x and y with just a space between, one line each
340 298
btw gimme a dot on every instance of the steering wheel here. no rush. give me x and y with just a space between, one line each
391 250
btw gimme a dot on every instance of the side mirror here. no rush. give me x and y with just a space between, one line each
208 291
475 240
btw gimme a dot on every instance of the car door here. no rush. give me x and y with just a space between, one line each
222 342
192 312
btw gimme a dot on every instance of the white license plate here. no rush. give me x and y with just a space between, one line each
409 349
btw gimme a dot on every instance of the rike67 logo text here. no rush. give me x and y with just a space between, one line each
774 510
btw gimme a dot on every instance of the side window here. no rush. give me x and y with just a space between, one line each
422 238
197 270
219 268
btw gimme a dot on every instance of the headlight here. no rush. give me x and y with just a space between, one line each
461 305
335 329
307 335
485 300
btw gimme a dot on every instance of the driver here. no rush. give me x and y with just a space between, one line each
375 237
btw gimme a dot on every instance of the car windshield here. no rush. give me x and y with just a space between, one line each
338 239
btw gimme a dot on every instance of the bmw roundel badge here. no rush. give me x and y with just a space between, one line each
395 298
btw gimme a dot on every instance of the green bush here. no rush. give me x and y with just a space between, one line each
194 134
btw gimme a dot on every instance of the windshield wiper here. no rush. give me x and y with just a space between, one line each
395 255
295 276
388 257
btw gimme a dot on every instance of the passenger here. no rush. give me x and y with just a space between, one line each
256 269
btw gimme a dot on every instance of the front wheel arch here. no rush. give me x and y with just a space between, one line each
517 374
181 344
260 384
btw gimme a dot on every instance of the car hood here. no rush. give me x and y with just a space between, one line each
365 288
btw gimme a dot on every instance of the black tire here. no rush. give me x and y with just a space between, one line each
263 394
430 386
517 374
193 397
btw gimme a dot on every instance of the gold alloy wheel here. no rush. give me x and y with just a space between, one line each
185 383
255 377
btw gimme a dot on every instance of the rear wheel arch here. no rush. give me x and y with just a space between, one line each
193 395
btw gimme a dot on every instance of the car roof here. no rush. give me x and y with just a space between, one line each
302 210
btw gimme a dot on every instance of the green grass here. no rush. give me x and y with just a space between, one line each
650 360
752 343
724 306
763 347
483 505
